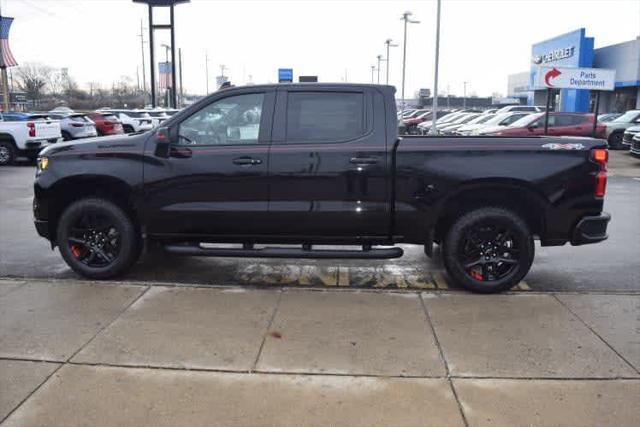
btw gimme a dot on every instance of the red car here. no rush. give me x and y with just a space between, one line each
106 123
560 124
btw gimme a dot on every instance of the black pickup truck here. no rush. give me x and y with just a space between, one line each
301 165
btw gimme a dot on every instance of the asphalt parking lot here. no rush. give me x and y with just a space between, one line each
610 266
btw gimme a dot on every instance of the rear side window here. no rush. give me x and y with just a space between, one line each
324 116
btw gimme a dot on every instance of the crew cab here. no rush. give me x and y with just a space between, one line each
24 134
318 164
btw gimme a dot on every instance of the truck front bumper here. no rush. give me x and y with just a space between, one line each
591 229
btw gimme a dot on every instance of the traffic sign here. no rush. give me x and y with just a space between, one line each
285 75
575 78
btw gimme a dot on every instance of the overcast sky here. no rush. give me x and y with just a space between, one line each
482 41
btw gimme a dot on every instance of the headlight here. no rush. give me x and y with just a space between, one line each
43 163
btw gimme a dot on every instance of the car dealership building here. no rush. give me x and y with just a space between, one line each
575 49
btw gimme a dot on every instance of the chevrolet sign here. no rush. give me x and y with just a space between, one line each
554 55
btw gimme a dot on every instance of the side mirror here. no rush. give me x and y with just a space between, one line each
162 138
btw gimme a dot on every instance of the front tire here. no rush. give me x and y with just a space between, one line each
7 153
488 250
615 141
97 238
127 128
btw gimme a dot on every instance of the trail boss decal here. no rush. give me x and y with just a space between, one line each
556 146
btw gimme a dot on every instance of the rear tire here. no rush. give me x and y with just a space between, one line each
488 250
615 141
7 153
97 238
66 136
127 128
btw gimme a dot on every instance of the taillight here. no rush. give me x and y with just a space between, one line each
32 129
601 156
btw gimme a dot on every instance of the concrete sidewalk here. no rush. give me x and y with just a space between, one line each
79 353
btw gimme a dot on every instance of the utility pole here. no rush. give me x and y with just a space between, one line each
222 68
407 20
144 73
180 70
389 44
434 106
206 68
464 97
379 59
167 89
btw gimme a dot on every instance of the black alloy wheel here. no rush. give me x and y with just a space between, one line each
97 238
488 250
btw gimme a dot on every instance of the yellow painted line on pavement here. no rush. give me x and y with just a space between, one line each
329 277
343 276
523 286
441 282
419 282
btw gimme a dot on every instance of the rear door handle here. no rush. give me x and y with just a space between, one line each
246 161
364 160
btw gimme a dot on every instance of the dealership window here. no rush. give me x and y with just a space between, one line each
324 116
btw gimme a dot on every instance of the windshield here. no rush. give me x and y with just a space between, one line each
136 114
448 118
525 121
156 113
482 118
627 117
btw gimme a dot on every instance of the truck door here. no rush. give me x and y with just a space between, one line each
329 169
214 181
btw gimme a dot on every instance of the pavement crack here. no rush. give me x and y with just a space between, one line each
266 332
444 360
637 370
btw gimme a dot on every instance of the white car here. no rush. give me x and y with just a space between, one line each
157 116
520 109
26 136
500 121
132 120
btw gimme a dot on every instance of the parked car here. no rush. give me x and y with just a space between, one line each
607 117
410 126
157 116
476 123
75 125
324 167
106 123
25 136
425 127
499 122
614 131
635 146
448 128
629 133
132 121
560 124
520 108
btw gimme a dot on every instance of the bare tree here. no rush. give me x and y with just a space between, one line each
33 79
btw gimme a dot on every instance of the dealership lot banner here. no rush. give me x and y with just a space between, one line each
575 78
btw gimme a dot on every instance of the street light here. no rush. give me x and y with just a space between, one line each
373 70
389 44
407 20
464 95
379 57
434 103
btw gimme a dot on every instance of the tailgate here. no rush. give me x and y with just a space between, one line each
47 130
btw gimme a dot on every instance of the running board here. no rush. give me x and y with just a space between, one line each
271 252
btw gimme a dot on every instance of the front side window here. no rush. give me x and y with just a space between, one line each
324 116
232 120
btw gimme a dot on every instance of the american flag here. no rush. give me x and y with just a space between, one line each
6 59
165 75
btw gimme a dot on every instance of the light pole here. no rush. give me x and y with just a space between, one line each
206 68
167 48
434 105
373 70
464 95
407 20
389 44
379 57
144 74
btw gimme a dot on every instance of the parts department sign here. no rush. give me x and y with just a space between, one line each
575 78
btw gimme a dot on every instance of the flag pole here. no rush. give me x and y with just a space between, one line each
5 80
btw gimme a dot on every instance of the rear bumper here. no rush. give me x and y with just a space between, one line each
591 229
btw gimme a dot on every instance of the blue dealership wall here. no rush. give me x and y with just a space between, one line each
576 51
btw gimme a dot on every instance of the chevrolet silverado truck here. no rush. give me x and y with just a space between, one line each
286 170
25 135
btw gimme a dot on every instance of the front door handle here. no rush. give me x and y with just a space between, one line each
364 160
242 161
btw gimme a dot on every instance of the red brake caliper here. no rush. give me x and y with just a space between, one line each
75 250
476 275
